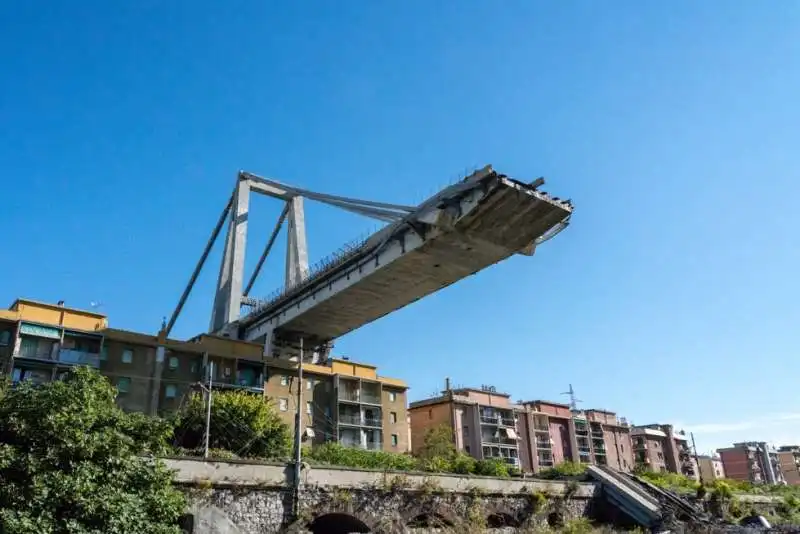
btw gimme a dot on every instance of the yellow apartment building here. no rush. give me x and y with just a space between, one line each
343 401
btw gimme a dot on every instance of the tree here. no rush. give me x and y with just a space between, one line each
72 462
438 443
241 423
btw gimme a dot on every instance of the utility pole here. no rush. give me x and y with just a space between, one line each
298 432
208 409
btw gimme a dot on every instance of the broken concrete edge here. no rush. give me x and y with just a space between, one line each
196 471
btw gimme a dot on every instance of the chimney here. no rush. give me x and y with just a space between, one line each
447 383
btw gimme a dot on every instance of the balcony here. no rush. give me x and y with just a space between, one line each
543 444
541 428
358 420
359 396
498 420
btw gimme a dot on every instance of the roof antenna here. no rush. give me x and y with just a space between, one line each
573 400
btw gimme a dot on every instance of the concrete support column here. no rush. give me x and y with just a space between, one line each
297 248
228 299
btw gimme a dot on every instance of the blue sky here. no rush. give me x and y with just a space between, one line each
673 127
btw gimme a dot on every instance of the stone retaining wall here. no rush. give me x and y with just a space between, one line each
249 498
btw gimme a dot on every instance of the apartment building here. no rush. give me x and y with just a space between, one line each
789 462
548 435
657 447
711 468
532 435
343 400
552 433
752 461
483 422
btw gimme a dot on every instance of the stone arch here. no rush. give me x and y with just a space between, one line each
337 523
502 520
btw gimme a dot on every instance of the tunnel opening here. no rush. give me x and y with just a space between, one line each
337 524
502 520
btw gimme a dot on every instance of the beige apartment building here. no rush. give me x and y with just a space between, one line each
711 468
343 401
789 462
657 447
531 436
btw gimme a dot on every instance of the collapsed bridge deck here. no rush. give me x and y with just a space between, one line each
460 231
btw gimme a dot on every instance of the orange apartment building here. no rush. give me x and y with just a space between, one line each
483 422
789 462
751 461
659 448
343 401
532 436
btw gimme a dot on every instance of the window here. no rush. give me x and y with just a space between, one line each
16 375
127 356
5 338
621 448
394 440
660 456
392 396
309 409
123 384
310 383
173 362
283 405
284 380
193 367
170 392
104 353
466 449
466 431
393 417
327 411
227 371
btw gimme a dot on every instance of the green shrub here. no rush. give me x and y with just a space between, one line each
336 454
463 464
491 468
564 469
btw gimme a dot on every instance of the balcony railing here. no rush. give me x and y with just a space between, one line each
79 357
543 445
541 428
501 441
359 396
357 420
368 446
